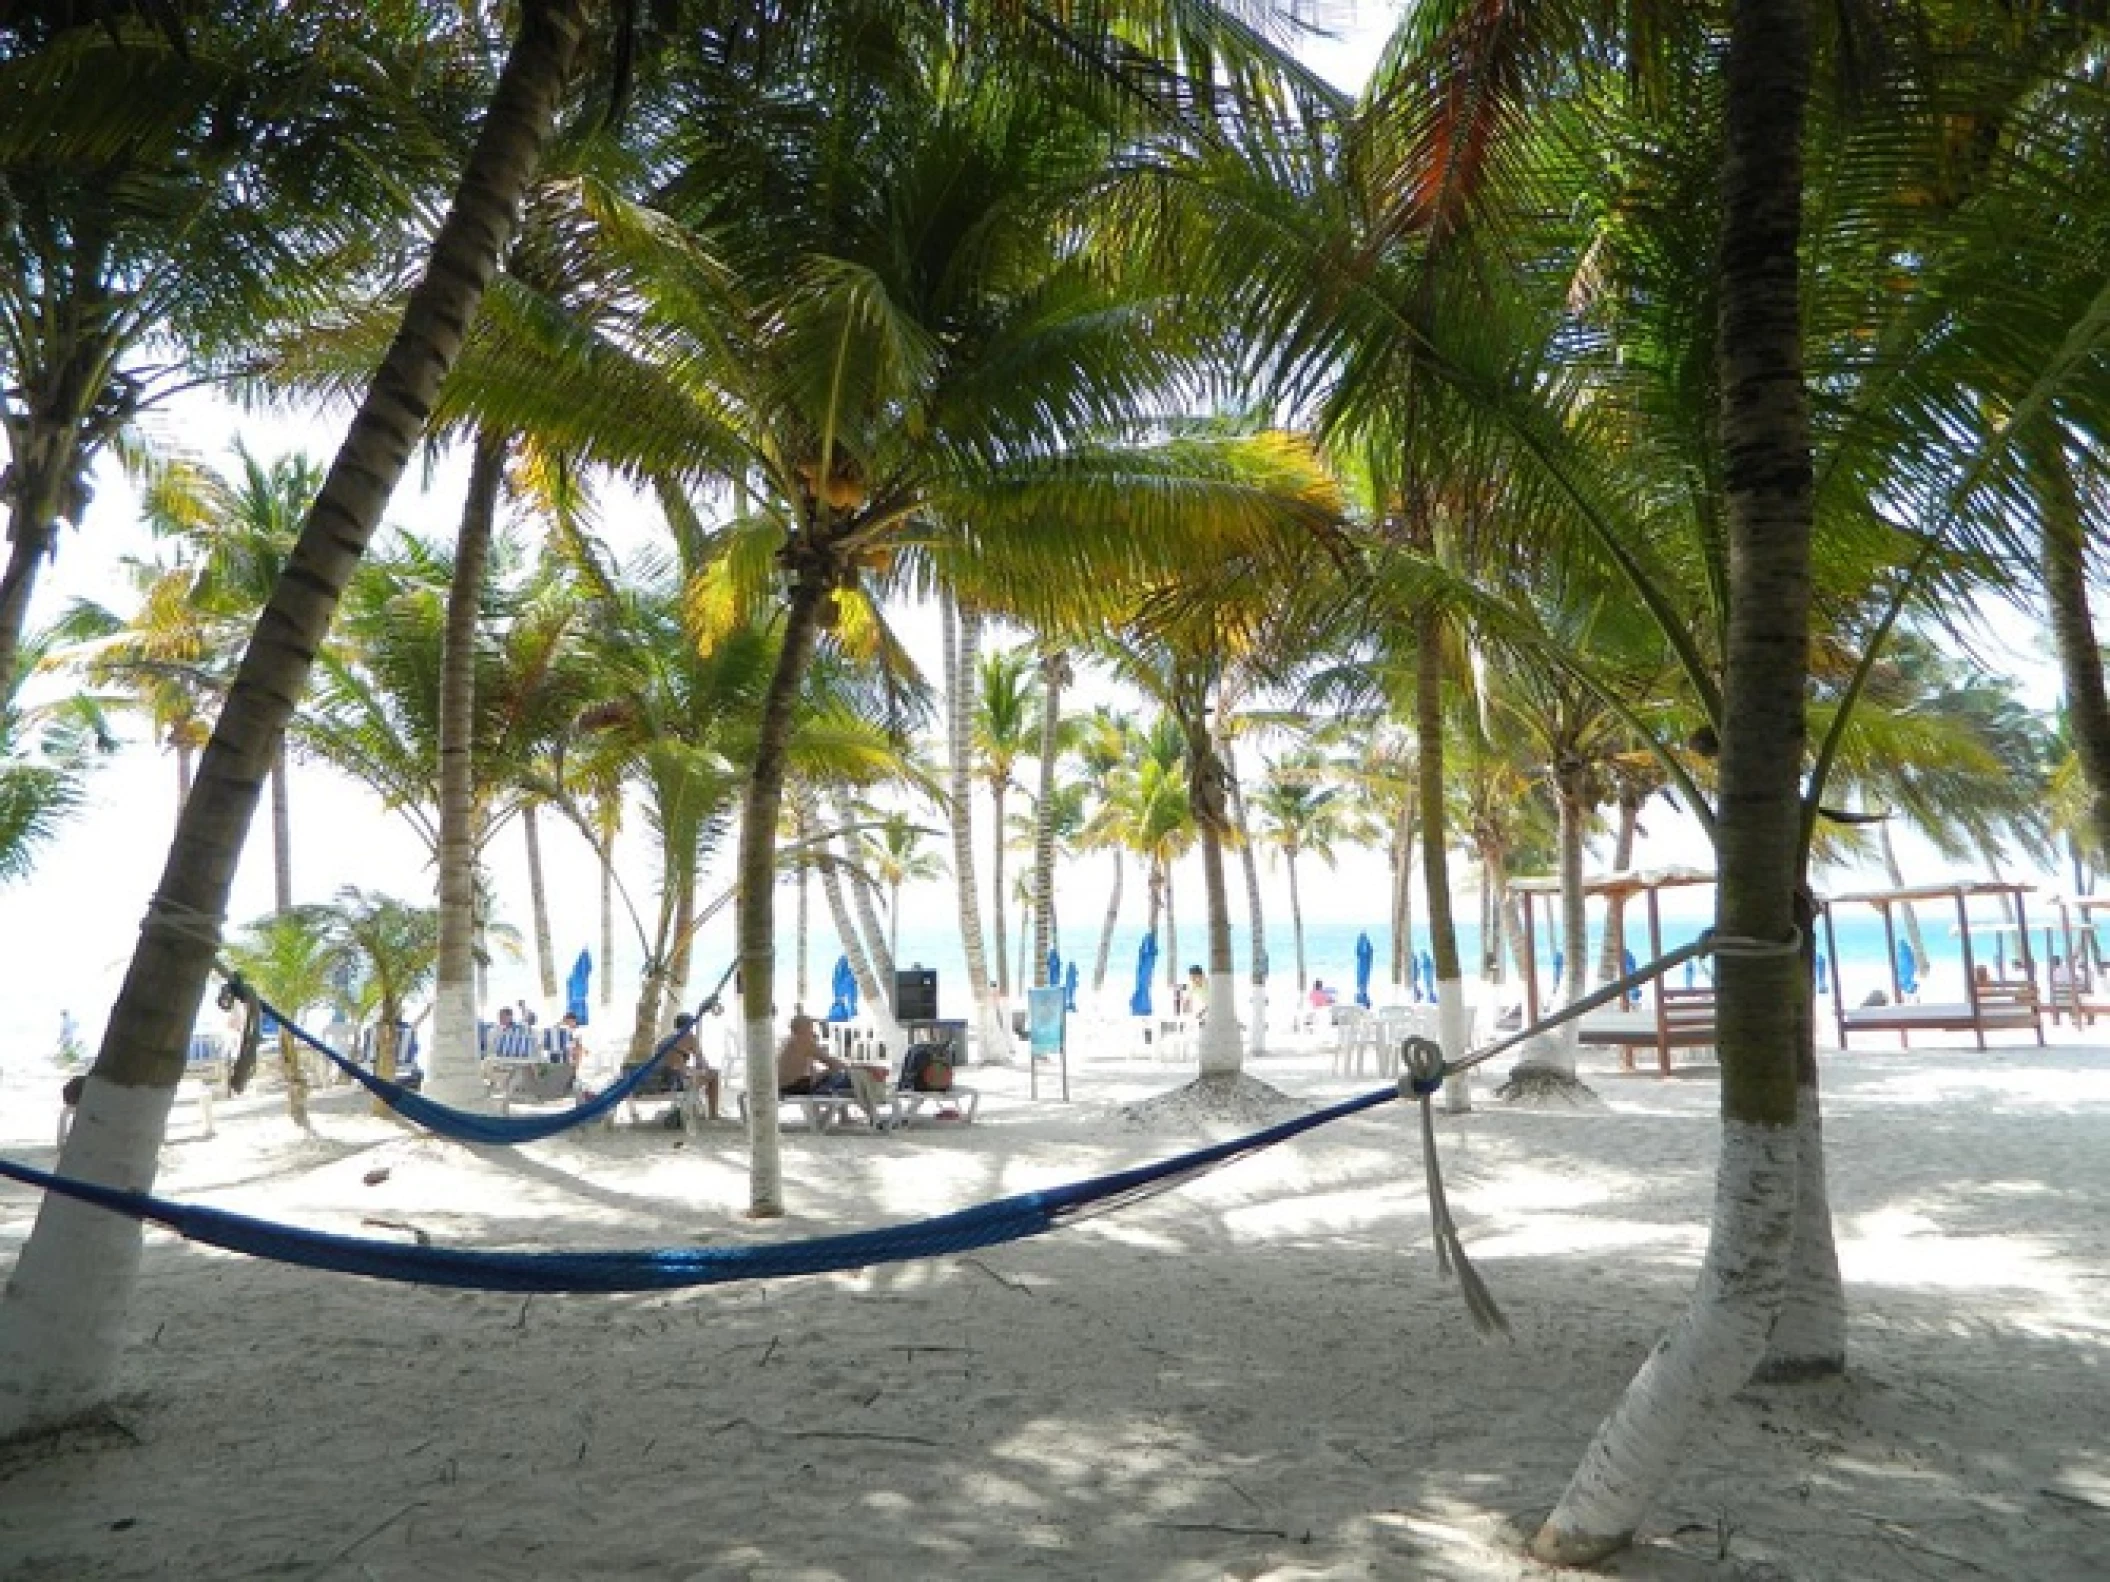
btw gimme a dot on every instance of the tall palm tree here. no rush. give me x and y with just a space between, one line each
1103 740
228 534
1299 814
1055 674
1007 724
60 1330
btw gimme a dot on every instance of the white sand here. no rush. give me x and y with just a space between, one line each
1256 1376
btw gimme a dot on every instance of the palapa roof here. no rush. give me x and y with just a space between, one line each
1633 882
1957 889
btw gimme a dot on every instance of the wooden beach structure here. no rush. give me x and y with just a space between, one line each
2075 985
1993 1000
1674 1017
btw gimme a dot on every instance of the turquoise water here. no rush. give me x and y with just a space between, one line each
933 941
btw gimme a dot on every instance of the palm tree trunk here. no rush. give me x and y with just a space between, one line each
451 1064
47 456
1611 958
1296 918
1435 862
538 904
1403 894
1767 475
1172 934
1256 938
858 928
1575 920
877 946
186 758
1222 1053
63 1318
963 633
1001 941
1054 673
893 921
802 985
1897 882
2065 541
758 877
607 931
1106 931
296 1079
681 960
281 835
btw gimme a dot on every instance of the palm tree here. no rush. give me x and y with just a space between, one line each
1103 743
388 950
1300 813
59 1335
46 756
229 535
195 181
288 957
893 854
1006 722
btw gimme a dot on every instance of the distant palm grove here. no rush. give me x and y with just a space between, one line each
1608 405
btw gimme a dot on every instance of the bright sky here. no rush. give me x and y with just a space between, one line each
69 930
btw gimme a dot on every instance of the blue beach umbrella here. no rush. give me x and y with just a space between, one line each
1908 969
1428 973
1689 971
1069 987
844 983
1626 966
1146 963
1365 952
1823 972
575 986
1054 967
1560 966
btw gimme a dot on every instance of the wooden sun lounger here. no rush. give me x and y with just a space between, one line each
1688 1023
2001 1007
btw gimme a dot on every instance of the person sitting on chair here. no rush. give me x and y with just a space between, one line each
681 1064
805 1066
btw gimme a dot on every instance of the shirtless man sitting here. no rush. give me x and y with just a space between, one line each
805 1066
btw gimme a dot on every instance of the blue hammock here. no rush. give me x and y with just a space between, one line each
466 1125
673 1268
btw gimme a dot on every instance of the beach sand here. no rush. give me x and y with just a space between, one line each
1258 1375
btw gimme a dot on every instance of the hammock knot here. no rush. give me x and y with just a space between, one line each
1421 1068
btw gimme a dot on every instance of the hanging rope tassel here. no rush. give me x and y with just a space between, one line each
1421 1077
238 989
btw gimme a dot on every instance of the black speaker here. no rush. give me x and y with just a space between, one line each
916 994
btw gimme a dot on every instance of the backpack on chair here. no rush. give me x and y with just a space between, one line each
927 1069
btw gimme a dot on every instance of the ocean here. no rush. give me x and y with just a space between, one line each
932 941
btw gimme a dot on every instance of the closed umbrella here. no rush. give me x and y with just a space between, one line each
1054 968
844 984
1069 987
1146 963
1626 966
1908 970
1365 953
1428 973
575 986
1822 973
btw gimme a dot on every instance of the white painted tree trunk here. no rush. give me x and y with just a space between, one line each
67 1301
1450 1022
1706 1357
1809 1337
